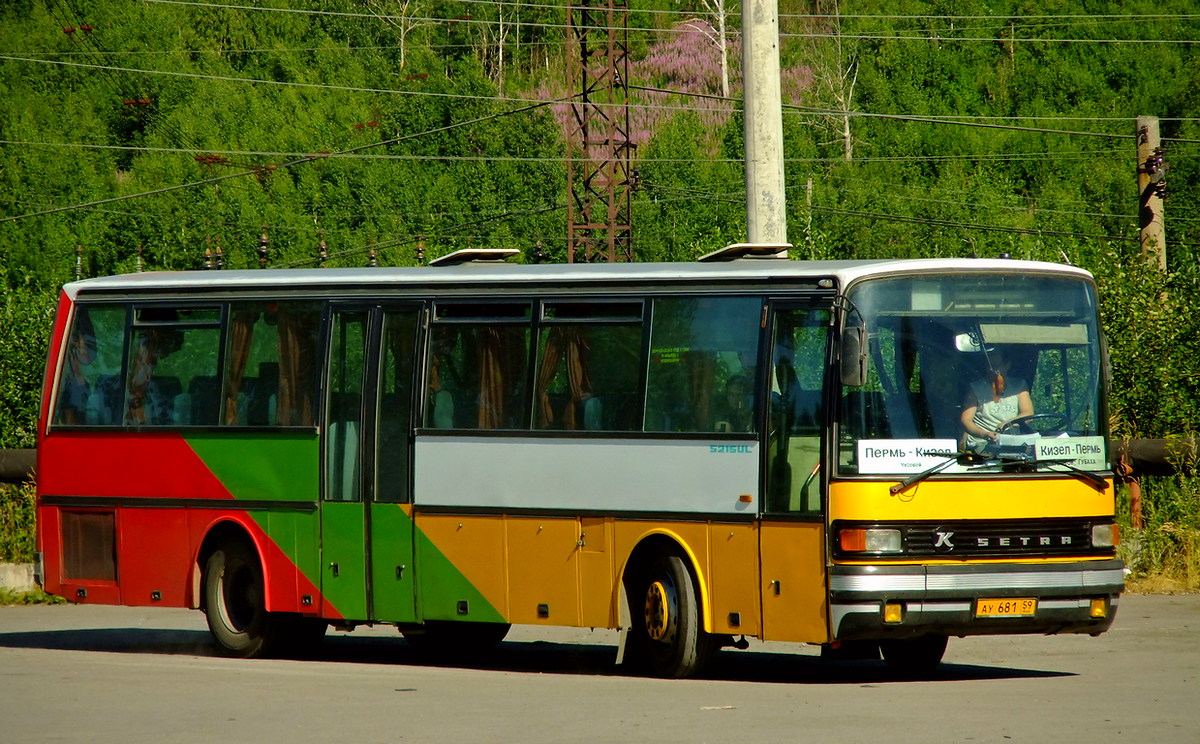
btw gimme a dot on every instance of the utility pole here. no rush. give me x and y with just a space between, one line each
1152 187
766 205
600 176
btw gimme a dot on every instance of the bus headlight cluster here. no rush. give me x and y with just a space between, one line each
870 540
1104 535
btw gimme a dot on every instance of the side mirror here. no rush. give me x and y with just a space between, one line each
854 356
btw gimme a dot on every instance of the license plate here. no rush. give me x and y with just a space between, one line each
1021 607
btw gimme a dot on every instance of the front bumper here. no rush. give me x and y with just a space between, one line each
942 598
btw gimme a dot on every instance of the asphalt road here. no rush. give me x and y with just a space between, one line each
113 674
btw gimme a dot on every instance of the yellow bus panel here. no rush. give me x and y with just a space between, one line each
974 499
543 570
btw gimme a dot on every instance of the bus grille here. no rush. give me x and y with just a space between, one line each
999 539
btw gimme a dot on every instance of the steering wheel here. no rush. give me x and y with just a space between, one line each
1023 423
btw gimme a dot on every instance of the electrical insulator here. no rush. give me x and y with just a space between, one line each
264 248
372 261
1155 163
322 254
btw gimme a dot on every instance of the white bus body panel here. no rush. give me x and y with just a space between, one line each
573 475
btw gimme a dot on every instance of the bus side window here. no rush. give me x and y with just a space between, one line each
168 346
89 387
589 367
478 365
270 365
703 352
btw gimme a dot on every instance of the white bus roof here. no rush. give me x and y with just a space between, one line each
843 273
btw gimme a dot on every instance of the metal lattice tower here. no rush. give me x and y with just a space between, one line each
599 153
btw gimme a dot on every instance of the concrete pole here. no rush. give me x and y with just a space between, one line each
766 213
1150 204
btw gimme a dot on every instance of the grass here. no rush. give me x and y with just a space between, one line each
18 521
1164 555
37 596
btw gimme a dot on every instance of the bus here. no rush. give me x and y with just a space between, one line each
869 456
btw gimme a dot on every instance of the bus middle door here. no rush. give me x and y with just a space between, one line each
366 512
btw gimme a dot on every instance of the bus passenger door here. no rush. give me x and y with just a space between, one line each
366 525
792 532
390 531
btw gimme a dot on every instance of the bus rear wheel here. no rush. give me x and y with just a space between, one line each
235 601
914 657
667 635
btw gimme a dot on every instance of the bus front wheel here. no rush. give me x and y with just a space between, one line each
235 601
667 633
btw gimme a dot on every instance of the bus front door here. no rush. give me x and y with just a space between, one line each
366 524
792 531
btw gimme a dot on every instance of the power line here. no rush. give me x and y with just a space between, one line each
350 89
967 225
967 121
957 122
985 39
374 16
409 240
992 156
297 161
281 83
1000 18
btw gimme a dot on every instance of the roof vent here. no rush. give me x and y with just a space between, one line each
469 255
748 250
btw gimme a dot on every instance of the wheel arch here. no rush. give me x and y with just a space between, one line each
665 542
218 533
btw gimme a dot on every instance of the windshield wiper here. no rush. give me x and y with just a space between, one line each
962 457
1004 460
1086 476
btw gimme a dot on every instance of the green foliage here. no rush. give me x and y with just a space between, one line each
1153 325
18 514
1165 553
37 596
26 314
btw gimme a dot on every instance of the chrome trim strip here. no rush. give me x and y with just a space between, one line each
940 606
877 583
1026 580
1082 603
1072 579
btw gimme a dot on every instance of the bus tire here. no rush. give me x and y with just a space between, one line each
667 637
235 601
914 657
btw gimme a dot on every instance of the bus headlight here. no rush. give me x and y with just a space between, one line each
869 540
1104 535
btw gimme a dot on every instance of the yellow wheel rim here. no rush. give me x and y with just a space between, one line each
658 611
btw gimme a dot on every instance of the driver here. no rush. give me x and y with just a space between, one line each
994 401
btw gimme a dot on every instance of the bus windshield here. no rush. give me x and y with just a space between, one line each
972 373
